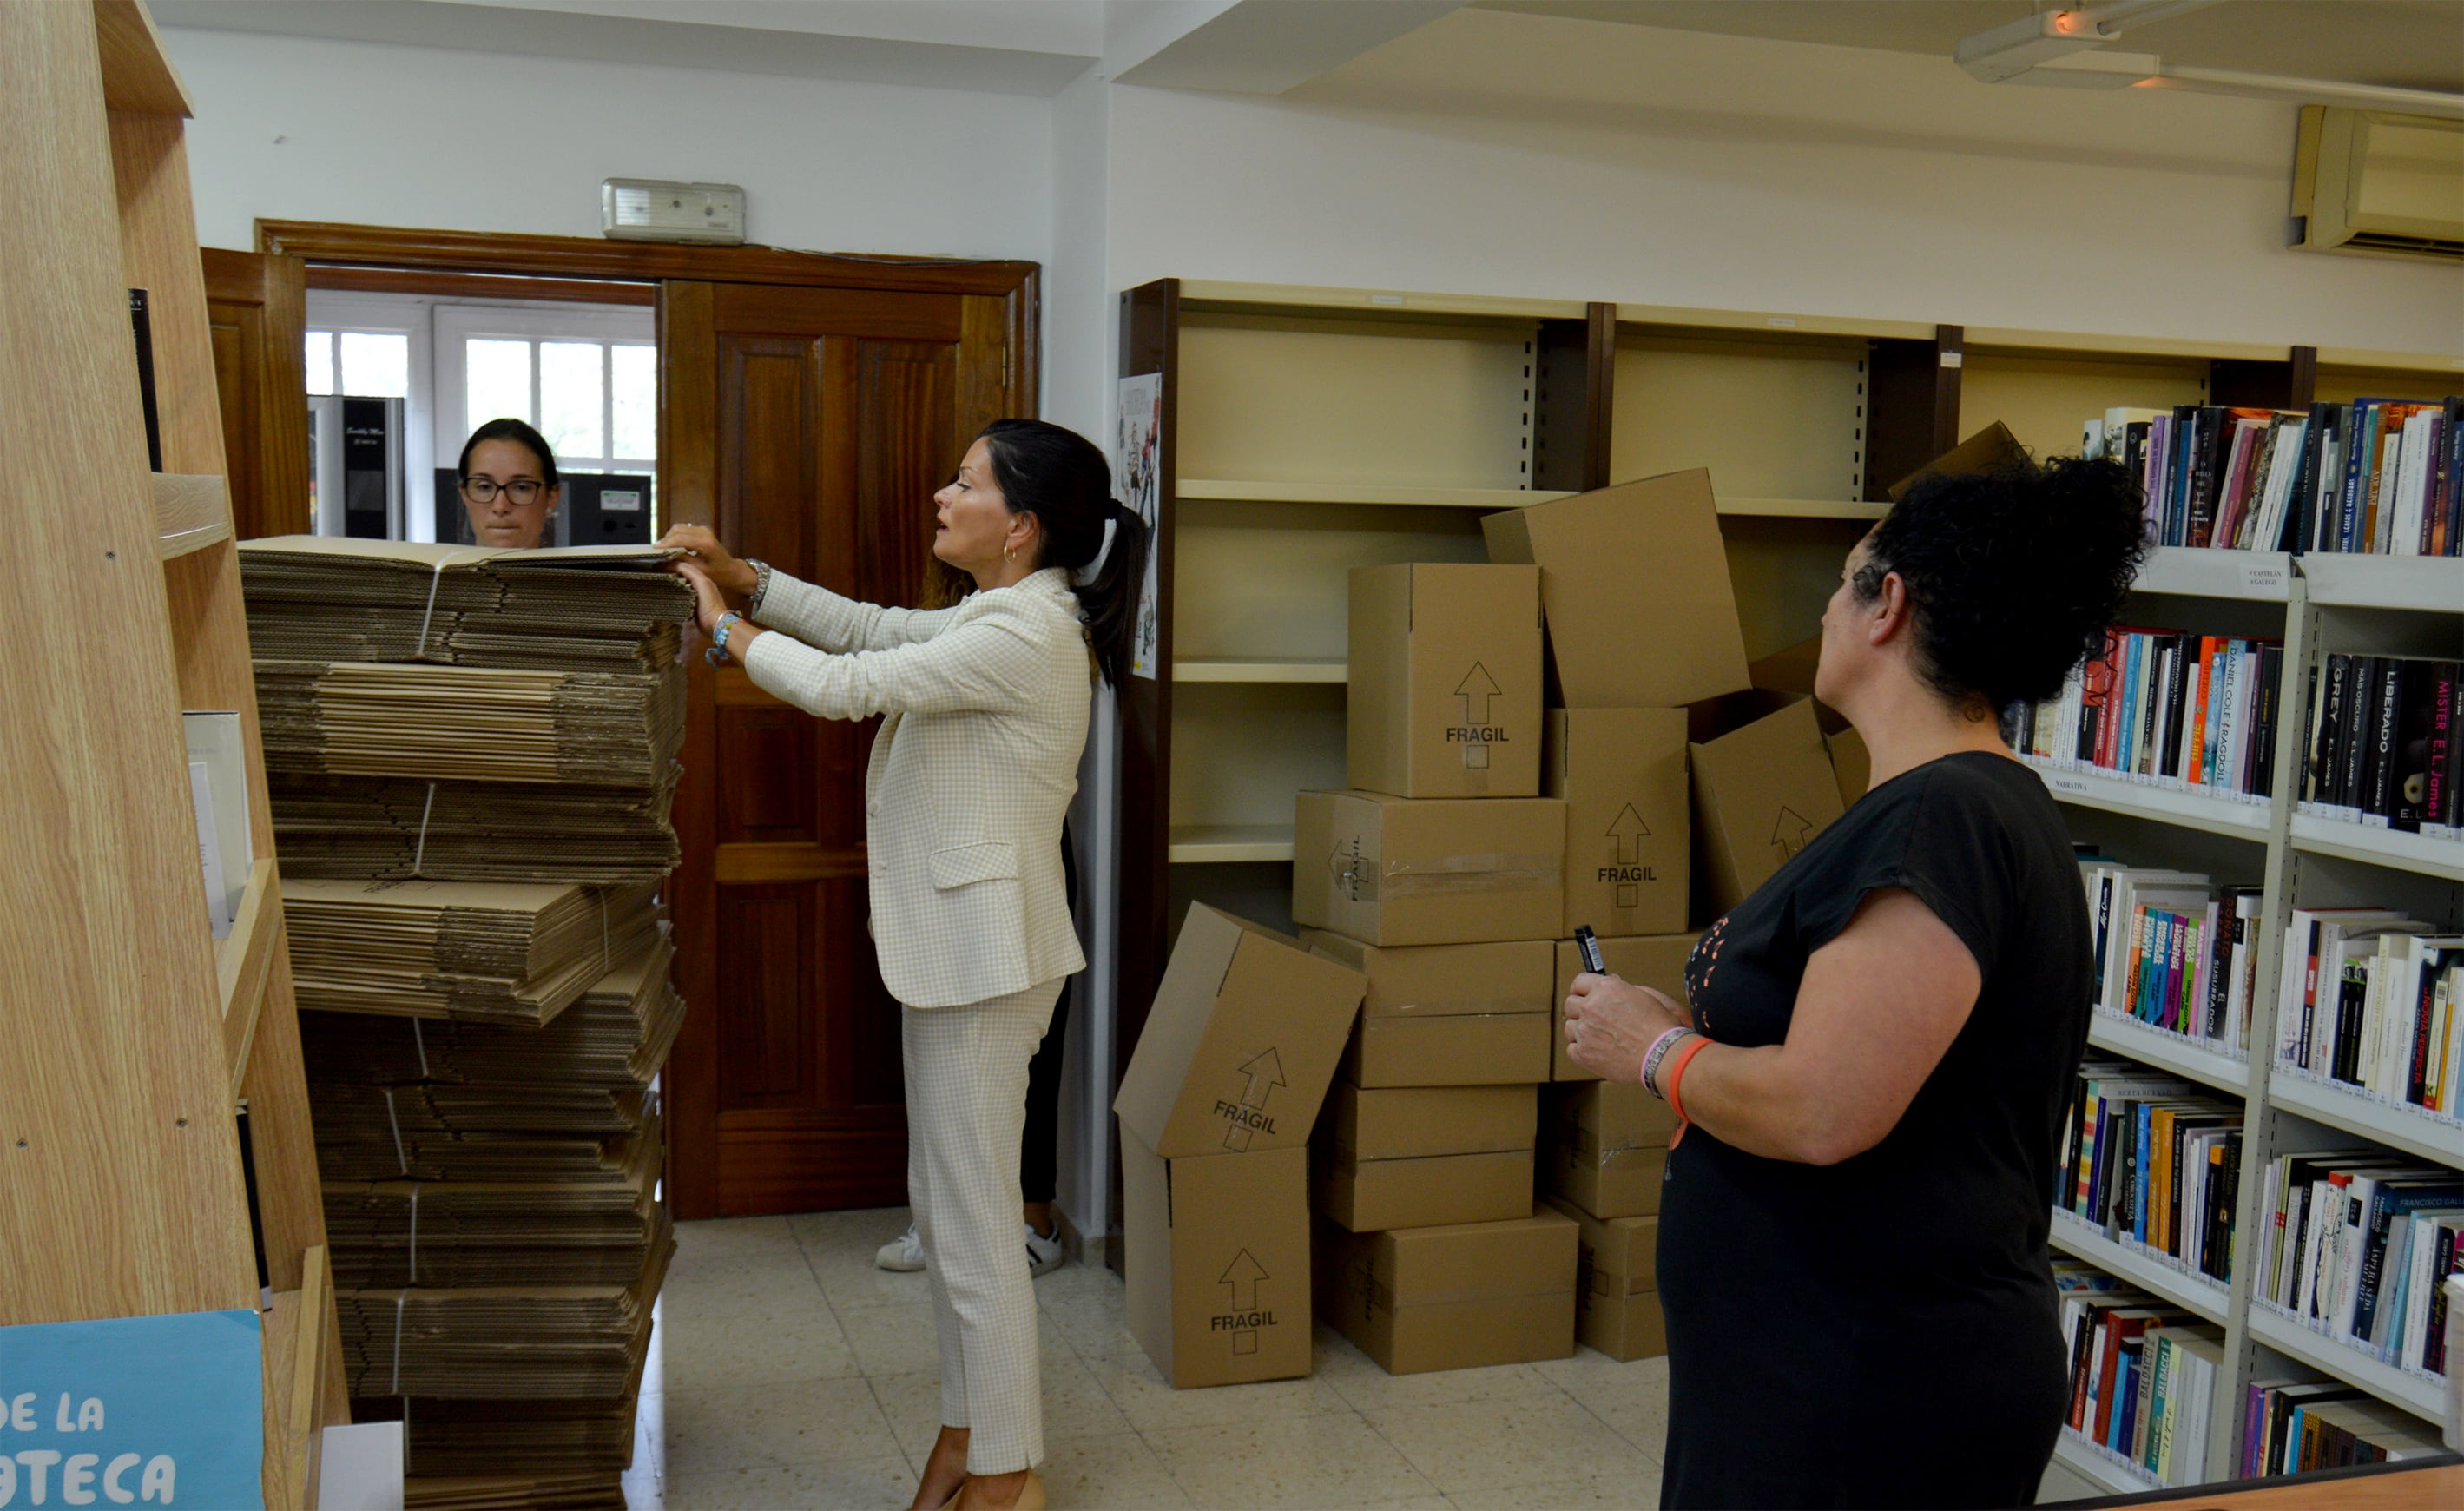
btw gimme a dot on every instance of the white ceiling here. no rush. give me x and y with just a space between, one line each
1037 47
2414 44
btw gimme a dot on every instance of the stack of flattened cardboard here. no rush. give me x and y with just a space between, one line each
472 755
318 598
350 826
1216 1109
473 723
513 1343
617 1035
490 951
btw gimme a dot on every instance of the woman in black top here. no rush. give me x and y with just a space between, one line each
1851 1238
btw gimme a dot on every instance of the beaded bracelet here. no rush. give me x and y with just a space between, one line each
1659 1050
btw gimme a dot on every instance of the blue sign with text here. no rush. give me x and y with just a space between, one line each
134 1411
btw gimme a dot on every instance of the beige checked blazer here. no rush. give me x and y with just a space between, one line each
985 712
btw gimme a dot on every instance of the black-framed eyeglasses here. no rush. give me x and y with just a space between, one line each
484 489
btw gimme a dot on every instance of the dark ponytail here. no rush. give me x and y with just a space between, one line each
2015 574
1059 477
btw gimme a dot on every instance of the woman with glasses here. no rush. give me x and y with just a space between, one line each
509 485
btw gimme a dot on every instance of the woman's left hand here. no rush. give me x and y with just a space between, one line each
1611 1022
709 602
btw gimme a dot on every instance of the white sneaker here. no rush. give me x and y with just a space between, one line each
1043 1255
904 1254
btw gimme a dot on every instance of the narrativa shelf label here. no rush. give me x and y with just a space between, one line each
134 1411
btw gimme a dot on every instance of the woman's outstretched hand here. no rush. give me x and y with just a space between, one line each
708 603
1611 1022
729 573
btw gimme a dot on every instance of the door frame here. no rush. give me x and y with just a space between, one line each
410 258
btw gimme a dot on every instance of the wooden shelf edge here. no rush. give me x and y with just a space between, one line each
244 962
191 511
1228 844
137 74
295 1331
1320 299
1250 490
1260 669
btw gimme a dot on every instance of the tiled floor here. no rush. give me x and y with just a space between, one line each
787 1371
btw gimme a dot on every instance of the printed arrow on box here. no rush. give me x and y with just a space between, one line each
1265 1073
1477 684
1789 835
1241 1276
1629 831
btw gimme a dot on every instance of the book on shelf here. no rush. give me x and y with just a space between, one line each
2188 711
2378 476
2291 1427
2371 1000
218 790
2143 1376
2146 1158
2354 1241
2382 746
2173 952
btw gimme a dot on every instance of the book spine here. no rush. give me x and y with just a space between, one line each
2417 999
2271 692
2437 805
2356 734
2378 800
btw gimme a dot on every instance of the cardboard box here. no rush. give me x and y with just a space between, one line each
1851 763
1761 794
1989 450
1458 1050
1621 772
1655 961
1429 870
1455 1297
1617 1299
1402 1122
1635 590
1604 1148
1217 1261
1371 1196
1241 1043
1446 680
1422 981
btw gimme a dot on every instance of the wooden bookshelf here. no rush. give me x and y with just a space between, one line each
127 1033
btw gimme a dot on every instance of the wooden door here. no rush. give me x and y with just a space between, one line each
809 427
257 305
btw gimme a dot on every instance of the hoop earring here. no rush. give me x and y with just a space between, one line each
1006 552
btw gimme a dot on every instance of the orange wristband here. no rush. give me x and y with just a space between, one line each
1683 1057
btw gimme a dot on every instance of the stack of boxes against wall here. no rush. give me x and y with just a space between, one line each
483 973
1454 871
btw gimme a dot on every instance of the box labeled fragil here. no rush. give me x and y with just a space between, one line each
1617 1284
1242 1041
1444 698
1761 794
1654 960
1453 1296
1604 1148
1217 1261
1432 981
1851 763
1633 589
1401 1122
1369 1195
1621 772
1428 871
1484 1049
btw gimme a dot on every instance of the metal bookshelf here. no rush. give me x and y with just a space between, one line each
2382 604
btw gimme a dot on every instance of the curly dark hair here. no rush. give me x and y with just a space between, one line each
2015 574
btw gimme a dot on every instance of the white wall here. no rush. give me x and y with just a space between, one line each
300 129
1493 153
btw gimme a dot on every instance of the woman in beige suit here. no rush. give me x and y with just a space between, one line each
984 712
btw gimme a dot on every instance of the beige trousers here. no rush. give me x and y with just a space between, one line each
966 1108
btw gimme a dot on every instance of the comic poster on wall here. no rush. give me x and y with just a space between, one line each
1137 455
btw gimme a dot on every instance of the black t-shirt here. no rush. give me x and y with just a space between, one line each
1824 1322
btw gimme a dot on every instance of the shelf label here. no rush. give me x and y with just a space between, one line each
2076 787
166 1411
2265 579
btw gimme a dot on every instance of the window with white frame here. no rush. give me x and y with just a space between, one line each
584 376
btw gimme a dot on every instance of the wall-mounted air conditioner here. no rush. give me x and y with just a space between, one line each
2373 181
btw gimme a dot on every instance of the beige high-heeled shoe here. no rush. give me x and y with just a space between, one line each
1030 1496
